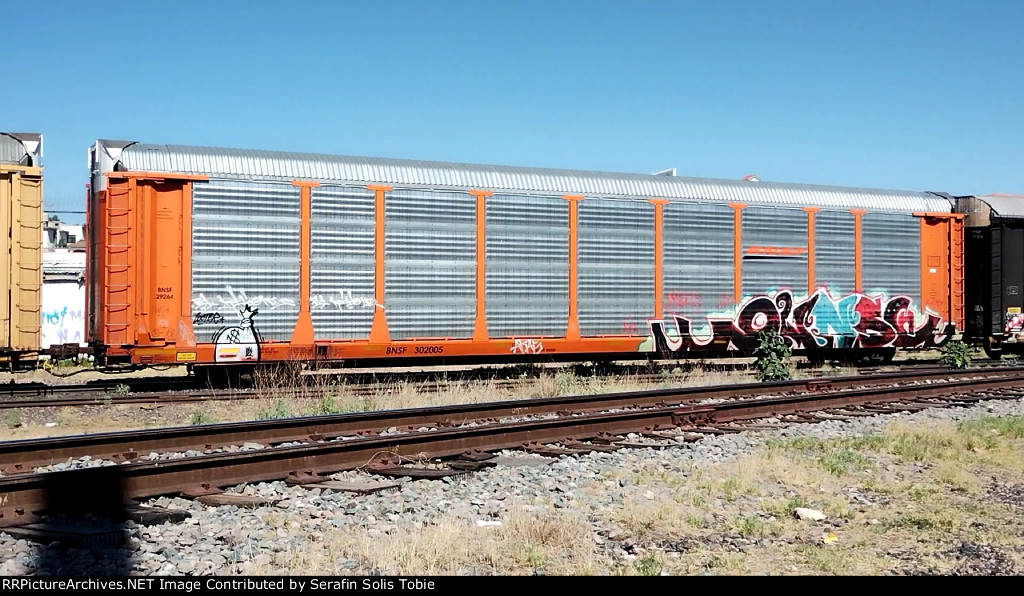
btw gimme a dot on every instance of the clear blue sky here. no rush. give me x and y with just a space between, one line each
916 95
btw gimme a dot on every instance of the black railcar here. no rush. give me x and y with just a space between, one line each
994 272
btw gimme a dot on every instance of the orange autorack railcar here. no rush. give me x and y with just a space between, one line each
215 257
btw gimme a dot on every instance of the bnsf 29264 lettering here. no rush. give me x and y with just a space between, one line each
428 350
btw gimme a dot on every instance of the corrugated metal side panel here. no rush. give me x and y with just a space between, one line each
26 266
891 255
5 258
697 268
412 173
835 266
342 262
245 250
616 266
527 266
773 227
429 264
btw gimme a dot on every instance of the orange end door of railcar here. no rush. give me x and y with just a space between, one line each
142 268
942 266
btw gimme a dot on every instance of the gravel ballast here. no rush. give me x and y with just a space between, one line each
230 540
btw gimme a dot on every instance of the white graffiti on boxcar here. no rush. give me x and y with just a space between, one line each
240 343
527 346
236 300
341 300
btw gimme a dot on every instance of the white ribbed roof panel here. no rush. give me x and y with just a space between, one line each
1005 205
253 164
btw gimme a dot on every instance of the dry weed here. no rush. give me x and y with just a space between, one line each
278 395
524 543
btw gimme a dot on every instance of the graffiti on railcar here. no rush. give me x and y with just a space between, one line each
342 300
1013 321
240 343
817 321
207 317
63 326
236 299
681 300
63 314
527 346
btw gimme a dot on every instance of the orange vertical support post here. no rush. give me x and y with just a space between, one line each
929 296
956 271
379 329
857 252
810 248
187 334
149 247
737 250
303 334
480 324
659 257
573 328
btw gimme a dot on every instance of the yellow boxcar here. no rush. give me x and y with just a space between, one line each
21 214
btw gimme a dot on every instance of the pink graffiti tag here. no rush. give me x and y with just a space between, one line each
681 300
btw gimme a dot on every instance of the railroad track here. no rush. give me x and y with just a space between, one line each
206 395
376 376
189 390
355 377
186 391
116 388
200 460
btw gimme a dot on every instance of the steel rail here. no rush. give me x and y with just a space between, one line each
19 394
22 456
105 387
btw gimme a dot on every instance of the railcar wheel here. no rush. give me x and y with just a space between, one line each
885 356
221 377
816 358
993 349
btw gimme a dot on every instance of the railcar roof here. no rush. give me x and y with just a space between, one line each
405 173
1004 205
22 148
